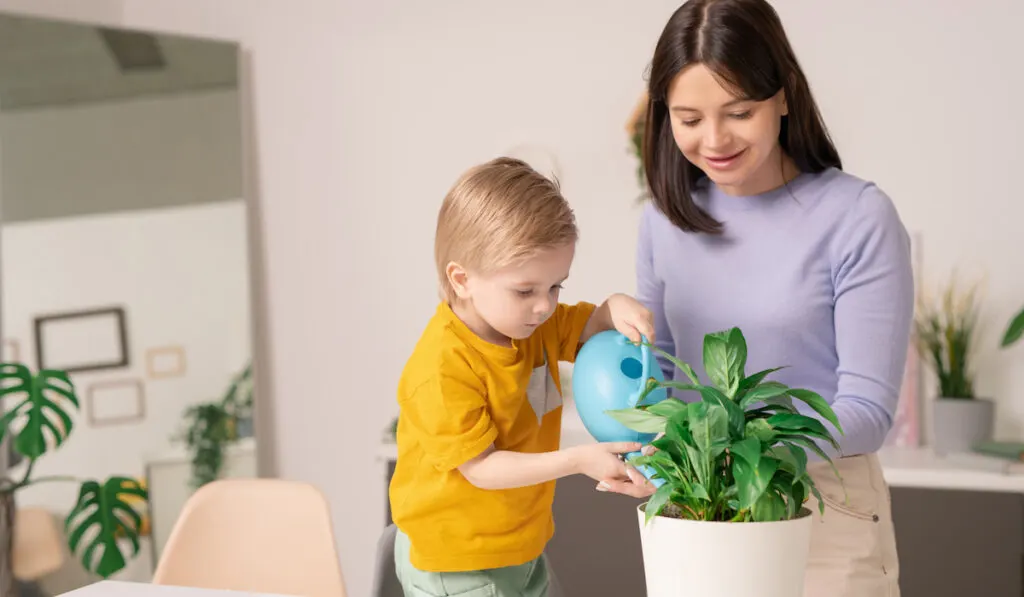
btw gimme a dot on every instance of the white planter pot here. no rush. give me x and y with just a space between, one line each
959 424
686 558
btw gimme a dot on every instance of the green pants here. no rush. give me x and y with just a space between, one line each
526 580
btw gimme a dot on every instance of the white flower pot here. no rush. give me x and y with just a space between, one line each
959 424
686 558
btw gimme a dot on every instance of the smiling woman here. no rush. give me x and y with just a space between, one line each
744 179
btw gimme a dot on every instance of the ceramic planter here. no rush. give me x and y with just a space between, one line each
684 558
958 424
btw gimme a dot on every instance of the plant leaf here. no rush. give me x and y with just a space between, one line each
684 367
657 502
754 379
768 389
785 402
794 459
106 510
736 417
667 408
769 507
709 423
46 398
1014 331
716 359
802 424
753 482
819 405
725 358
760 429
638 420
748 449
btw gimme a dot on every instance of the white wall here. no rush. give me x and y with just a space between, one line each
182 276
365 112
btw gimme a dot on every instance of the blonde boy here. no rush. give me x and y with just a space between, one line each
480 400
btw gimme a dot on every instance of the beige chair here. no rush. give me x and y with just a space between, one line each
38 547
258 535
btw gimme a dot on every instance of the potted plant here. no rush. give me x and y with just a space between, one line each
212 426
37 411
945 333
729 519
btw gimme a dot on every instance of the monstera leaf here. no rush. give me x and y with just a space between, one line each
102 515
45 398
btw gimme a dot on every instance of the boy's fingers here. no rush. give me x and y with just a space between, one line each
624 447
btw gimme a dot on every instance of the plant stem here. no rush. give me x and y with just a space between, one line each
26 480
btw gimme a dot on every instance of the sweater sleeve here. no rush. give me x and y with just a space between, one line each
874 303
650 289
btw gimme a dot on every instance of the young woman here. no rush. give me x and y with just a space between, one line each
754 224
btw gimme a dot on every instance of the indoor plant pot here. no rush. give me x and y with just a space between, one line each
685 557
959 424
728 519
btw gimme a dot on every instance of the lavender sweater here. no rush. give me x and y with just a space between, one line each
818 276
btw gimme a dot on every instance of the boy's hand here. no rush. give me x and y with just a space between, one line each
601 462
630 317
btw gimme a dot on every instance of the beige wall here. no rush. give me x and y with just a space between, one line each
365 112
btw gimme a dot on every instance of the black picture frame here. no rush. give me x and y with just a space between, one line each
122 360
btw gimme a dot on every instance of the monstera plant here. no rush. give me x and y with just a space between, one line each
37 411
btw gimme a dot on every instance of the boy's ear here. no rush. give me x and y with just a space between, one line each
458 278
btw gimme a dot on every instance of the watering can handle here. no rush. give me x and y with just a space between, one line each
645 369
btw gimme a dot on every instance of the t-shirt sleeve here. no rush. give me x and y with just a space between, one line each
450 418
874 304
570 321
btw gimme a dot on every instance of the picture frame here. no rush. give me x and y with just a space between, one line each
115 402
85 340
165 361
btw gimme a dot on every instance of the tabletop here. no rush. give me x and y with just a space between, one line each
109 588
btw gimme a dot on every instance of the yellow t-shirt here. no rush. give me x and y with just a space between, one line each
458 394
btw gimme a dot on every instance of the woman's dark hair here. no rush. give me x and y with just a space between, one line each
744 44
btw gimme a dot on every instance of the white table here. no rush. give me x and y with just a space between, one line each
109 588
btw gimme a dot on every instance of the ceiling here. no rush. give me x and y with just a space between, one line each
56 63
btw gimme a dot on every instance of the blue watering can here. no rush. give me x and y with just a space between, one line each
610 373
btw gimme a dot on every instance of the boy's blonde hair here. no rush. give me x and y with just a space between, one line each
496 214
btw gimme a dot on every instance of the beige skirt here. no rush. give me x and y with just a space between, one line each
853 546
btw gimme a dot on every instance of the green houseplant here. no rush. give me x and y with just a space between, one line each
211 426
945 331
37 418
737 455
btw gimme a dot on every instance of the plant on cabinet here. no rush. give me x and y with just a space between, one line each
945 331
734 471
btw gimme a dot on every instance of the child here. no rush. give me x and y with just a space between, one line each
480 398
